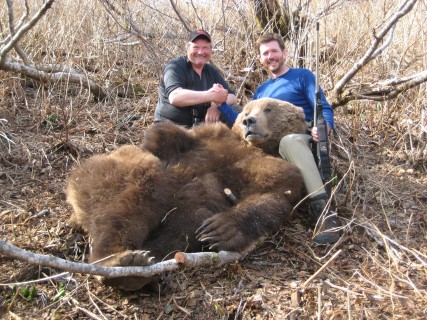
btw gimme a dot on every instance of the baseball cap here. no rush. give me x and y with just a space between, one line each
199 34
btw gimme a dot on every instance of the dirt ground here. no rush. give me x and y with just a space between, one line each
380 271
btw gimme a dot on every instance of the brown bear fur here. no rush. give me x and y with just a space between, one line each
154 198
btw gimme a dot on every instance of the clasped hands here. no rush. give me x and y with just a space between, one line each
219 96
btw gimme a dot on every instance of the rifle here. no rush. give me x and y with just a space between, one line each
320 149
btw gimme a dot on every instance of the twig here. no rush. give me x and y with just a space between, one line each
163 311
385 239
379 288
327 263
329 283
40 214
23 283
179 307
108 306
95 305
87 312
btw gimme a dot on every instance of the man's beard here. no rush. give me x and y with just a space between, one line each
199 60
280 63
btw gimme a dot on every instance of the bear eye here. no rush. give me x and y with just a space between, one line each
267 110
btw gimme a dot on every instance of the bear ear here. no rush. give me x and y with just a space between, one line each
167 141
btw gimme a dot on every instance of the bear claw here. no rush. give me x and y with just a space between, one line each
135 258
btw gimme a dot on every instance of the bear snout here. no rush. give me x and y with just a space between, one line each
249 121
249 126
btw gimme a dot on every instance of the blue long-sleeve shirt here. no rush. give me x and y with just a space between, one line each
297 86
229 114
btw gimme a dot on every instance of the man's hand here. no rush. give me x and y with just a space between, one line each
219 94
315 135
212 114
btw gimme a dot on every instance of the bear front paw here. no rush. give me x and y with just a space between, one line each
131 283
221 236
127 258
134 258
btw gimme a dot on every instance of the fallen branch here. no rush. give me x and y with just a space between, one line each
380 91
181 260
54 73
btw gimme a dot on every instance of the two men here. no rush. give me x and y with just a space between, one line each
192 90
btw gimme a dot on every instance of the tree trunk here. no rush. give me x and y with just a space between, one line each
273 16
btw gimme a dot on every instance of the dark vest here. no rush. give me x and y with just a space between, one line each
186 116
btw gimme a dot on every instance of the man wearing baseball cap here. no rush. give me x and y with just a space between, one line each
191 89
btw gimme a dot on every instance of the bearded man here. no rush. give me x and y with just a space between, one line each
298 86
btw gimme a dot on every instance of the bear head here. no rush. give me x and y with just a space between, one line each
263 122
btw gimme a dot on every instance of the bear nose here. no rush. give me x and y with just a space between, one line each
248 121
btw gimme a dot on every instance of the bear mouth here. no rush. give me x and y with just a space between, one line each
253 136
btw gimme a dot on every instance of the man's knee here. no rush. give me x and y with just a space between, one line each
291 139
287 143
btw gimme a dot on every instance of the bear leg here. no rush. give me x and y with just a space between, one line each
241 227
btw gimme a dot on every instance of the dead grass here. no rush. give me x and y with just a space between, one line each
379 153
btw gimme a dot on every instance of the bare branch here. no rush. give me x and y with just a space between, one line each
197 15
380 91
17 48
181 259
45 73
186 26
385 45
22 30
125 13
372 52
331 6
50 73
18 25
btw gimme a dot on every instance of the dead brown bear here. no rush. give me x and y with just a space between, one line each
154 198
